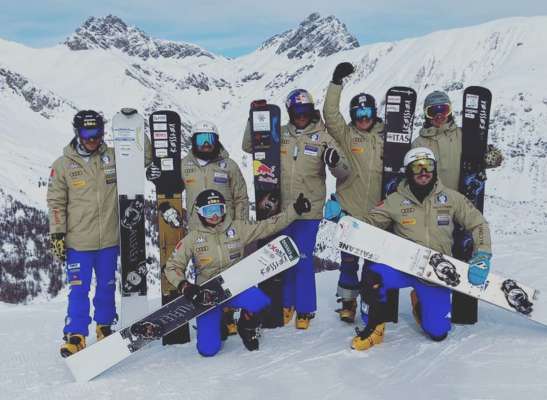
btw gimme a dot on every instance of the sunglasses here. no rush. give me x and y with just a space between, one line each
443 109
211 210
426 164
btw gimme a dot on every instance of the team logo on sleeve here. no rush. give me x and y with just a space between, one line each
231 232
442 198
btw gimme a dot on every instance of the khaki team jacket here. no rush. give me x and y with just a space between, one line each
431 223
446 143
215 249
363 188
223 175
302 166
82 197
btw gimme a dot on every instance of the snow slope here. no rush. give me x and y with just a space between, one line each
502 357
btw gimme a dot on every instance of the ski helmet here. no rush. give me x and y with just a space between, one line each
417 154
300 102
205 132
88 124
209 203
435 103
361 106
436 97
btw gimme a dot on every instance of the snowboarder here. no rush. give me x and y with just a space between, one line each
214 246
83 216
209 166
362 141
306 148
425 211
441 134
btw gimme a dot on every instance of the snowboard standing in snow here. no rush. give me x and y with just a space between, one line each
129 147
276 256
166 149
399 118
475 121
375 244
266 140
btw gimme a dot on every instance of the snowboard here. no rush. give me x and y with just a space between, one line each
266 140
364 240
166 148
128 137
276 256
475 121
399 119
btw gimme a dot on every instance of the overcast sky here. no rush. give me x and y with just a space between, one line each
236 27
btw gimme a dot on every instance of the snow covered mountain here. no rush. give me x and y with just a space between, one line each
106 64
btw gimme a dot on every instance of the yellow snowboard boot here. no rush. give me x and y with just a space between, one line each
73 343
228 321
303 320
368 337
347 312
288 313
103 331
416 311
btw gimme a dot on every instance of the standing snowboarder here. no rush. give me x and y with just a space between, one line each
441 134
209 166
422 210
214 246
306 148
83 216
362 141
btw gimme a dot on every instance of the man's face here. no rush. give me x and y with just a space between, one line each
422 171
91 144
301 120
438 114
364 124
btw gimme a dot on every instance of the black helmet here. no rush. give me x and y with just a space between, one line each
88 124
208 203
362 104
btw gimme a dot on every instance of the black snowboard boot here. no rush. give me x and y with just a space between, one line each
248 327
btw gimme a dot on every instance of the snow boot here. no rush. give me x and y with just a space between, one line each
303 320
368 337
103 331
288 313
228 321
416 309
347 312
248 328
74 342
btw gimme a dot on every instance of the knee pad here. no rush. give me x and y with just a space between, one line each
370 287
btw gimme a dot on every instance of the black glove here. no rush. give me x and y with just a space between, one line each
153 172
58 246
341 71
331 157
302 205
197 295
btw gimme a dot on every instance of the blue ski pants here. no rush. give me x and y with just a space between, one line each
299 281
79 271
209 340
434 300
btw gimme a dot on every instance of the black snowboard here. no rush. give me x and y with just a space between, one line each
399 118
475 121
166 144
266 140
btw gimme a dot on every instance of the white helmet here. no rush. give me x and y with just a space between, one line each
204 126
417 154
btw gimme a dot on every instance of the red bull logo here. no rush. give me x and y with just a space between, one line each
262 169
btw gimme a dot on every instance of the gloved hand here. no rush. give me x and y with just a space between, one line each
479 266
341 71
153 172
302 205
58 246
493 157
333 210
330 157
197 295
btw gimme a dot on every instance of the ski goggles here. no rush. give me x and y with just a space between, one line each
206 137
432 111
364 112
88 134
302 110
211 210
418 166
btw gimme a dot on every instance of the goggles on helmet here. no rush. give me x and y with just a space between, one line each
432 111
211 210
87 134
206 137
364 112
422 164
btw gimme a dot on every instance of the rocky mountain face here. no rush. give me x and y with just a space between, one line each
38 100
